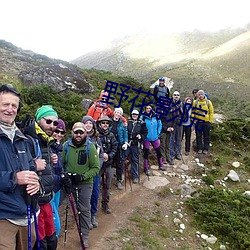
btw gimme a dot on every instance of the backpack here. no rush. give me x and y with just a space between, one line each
66 147
22 125
156 90
207 103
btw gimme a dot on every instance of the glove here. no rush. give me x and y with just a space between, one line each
67 184
76 178
138 136
125 146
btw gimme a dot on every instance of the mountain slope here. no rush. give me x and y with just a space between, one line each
143 56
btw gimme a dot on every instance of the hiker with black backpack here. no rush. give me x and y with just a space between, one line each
203 112
176 136
161 90
18 179
39 133
137 131
109 145
81 163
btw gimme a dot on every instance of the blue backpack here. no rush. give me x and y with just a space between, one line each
66 147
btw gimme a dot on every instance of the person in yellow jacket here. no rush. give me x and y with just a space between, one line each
203 118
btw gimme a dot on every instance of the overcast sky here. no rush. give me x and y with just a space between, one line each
66 29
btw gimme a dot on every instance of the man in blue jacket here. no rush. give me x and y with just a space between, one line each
17 178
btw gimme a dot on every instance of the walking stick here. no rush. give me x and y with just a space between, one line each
30 210
29 222
75 217
171 149
104 187
127 173
66 222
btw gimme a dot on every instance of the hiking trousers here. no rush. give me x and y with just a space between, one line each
106 173
134 152
95 194
15 237
118 162
165 145
156 146
203 135
187 134
82 196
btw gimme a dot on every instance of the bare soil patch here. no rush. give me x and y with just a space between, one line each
123 204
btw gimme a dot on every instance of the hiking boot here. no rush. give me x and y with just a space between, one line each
94 220
145 165
135 180
85 242
119 185
205 152
162 166
147 172
106 208
199 151
178 157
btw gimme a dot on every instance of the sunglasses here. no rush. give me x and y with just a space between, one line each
78 132
57 131
105 123
49 121
177 95
104 99
134 114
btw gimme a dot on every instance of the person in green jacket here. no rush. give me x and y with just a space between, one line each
81 162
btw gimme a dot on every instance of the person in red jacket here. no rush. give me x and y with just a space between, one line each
100 108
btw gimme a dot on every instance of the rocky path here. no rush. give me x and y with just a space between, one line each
123 204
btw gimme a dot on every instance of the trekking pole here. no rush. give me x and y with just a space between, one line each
66 222
128 173
171 149
37 232
125 175
29 222
104 187
179 152
75 217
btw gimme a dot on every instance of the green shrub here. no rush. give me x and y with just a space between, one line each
224 214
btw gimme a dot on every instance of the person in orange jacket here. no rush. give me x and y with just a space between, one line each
100 108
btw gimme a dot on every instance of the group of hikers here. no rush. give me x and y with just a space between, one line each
39 167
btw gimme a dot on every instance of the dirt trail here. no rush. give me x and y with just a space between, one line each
123 204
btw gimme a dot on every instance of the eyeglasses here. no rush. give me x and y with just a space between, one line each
57 131
105 123
78 132
49 121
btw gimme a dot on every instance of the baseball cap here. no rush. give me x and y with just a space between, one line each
78 126
10 88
